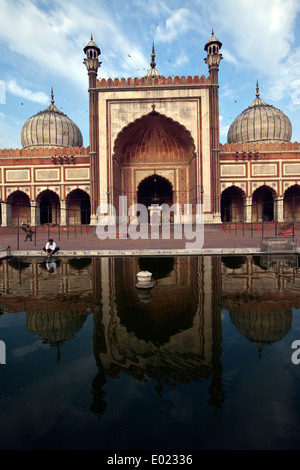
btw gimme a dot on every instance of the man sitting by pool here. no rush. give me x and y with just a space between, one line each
51 247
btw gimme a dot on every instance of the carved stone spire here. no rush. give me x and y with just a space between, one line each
153 63
257 89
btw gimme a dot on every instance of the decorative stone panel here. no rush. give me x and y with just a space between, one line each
17 175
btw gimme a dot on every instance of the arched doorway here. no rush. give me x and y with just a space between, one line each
291 203
78 207
18 208
156 144
155 190
49 207
232 205
263 204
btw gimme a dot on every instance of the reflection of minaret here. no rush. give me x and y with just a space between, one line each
101 281
216 389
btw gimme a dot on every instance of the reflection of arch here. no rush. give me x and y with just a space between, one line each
159 267
79 207
176 313
155 190
263 204
18 264
233 262
232 204
79 263
19 204
49 207
291 203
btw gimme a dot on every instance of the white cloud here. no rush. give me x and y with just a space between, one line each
178 23
37 96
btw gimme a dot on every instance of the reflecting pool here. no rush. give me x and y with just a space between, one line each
203 360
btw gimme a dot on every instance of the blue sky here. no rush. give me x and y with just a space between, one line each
41 46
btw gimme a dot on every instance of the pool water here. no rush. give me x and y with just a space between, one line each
203 360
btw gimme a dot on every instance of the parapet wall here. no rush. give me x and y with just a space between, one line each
259 146
44 152
150 81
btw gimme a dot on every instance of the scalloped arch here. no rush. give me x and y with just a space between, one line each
235 187
42 193
150 177
274 193
11 195
154 137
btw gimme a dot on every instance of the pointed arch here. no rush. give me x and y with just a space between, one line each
78 207
49 207
19 208
263 203
153 138
233 204
291 203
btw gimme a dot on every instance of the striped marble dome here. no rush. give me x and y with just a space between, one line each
260 122
50 128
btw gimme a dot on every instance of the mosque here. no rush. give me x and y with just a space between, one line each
153 140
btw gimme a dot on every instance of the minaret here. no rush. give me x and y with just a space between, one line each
213 59
92 64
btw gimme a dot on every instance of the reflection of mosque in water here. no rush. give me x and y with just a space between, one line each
171 333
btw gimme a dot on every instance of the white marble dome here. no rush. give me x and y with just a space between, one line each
50 128
260 122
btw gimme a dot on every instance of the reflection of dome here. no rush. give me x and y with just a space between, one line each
56 327
262 324
260 122
50 128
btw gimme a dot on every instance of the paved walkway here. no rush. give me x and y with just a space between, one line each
218 239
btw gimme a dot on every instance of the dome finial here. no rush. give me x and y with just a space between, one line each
257 89
91 36
52 96
153 63
212 32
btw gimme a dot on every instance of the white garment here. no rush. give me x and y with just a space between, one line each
51 265
50 246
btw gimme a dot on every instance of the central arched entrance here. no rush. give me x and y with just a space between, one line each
152 146
155 190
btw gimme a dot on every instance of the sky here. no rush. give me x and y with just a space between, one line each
41 46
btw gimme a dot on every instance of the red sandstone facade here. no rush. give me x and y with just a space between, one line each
153 140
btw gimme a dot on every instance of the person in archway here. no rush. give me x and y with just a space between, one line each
51 248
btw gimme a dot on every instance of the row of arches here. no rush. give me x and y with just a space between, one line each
263 205
76 210
47 208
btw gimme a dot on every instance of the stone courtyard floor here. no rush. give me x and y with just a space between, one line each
84 241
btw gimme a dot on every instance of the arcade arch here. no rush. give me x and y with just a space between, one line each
291 203
48 208
78 207
18 208
232 204
263 204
